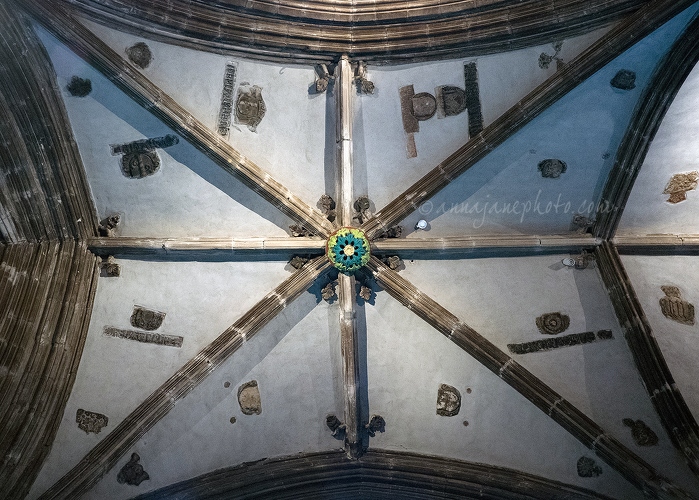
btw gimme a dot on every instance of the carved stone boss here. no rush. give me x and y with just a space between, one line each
139 157
448 99
674 308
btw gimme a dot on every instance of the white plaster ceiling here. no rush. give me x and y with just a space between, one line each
296 357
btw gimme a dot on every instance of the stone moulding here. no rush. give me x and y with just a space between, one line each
371 31
311 475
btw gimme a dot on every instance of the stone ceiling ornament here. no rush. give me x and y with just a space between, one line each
140 55
108 225
329 292
581 224
90 422
327 207
249 398
545 59
226 108
146 319
139 157
624 80
249 106
297 262
376 424
679 185
298 231
674 307
365 293
587 467
132 473
552 168
448 401
361 208
79 87
323 78
641 433
392 261
110 268
337 428
448 100
364 86
348 249
553 323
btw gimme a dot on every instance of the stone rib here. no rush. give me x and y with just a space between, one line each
584 429
51 291
674 413
652 106
375 31
152 98
103 456
616 41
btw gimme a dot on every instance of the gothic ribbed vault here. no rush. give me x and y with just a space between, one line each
509 312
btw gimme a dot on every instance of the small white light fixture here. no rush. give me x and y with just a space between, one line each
568 262
421 224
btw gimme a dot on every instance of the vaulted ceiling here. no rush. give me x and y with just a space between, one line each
175 324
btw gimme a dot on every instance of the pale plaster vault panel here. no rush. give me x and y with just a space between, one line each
599 378
188 196
295 361
407 362
380 156
290 141
679 343
506 193
675 149
200 299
